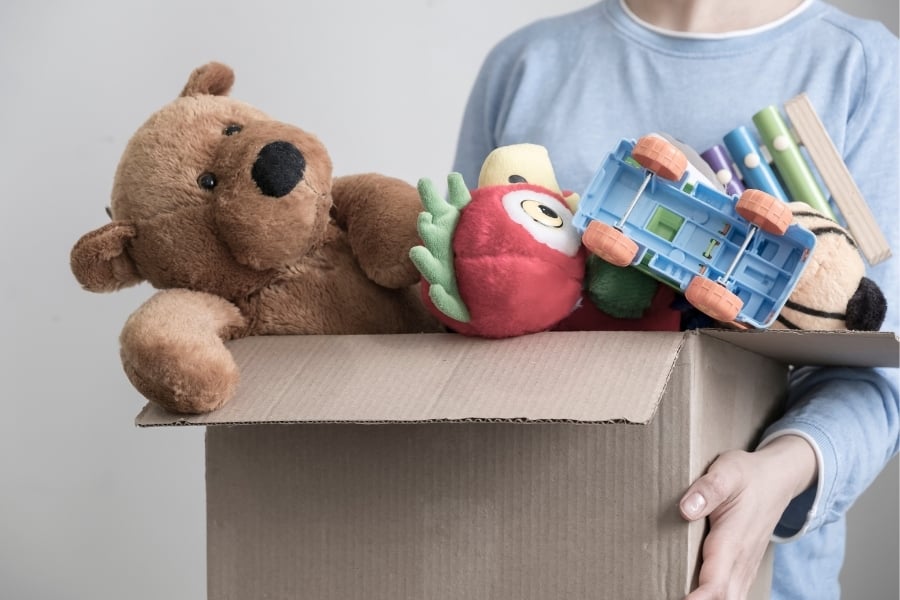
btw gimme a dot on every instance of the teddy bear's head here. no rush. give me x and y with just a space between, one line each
833 291
211 194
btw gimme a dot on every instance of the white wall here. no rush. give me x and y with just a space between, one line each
91 507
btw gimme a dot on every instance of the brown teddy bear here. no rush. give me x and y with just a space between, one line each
236 218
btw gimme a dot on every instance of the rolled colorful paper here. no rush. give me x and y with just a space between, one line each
718 158
795 172
750 162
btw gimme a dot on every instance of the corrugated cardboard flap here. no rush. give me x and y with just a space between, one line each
561 376
588 377
831 348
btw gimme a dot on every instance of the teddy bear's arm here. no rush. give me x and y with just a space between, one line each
173 350
99 261
379 214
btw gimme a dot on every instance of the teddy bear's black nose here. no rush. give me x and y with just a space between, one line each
278 169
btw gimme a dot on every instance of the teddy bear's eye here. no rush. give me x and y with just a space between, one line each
207 181
232 129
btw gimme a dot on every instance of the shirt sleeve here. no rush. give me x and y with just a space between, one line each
850 416
852 420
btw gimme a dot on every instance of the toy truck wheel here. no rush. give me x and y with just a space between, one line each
713 299
660 156
609 243
765 211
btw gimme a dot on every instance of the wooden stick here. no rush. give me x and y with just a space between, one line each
846 194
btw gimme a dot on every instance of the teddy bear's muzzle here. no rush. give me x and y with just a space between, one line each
278 168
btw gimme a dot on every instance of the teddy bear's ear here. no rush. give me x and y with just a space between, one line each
212 78
99 261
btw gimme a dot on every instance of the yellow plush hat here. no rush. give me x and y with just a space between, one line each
523 163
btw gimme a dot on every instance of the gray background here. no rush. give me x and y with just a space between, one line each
91 507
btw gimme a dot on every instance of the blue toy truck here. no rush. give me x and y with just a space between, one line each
735 258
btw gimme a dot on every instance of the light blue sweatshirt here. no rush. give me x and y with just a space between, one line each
579 82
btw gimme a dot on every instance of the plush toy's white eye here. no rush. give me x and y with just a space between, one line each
548 220
542 213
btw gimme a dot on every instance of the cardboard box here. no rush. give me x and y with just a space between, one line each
431 467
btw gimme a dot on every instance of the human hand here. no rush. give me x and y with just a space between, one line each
744 495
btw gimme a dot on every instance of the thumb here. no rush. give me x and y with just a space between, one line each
709 492
693 505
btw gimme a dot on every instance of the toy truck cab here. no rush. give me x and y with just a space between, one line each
737 259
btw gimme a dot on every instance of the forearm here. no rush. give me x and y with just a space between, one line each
849 417
791 460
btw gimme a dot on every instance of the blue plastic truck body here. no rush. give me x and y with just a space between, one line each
686 229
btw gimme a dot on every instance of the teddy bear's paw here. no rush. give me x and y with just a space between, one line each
379 214
395 277
181 384
173 351
386 262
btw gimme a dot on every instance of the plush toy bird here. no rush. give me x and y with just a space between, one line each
504 259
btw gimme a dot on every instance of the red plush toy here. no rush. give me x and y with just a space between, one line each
504 259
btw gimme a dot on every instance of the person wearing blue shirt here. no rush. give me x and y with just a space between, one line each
696 69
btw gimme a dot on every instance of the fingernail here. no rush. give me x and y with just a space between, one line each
693 504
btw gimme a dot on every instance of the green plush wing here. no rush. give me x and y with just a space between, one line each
434 259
